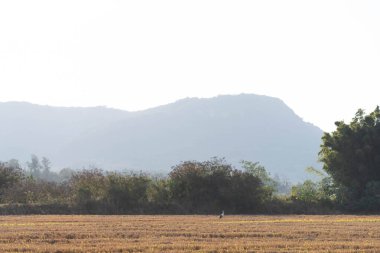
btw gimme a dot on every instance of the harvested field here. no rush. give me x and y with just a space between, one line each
159 233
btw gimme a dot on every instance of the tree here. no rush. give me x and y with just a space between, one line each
257 170
214 185
45 165
34 166
158 194
9 174
351 153
195 187
306 192
127 192
88 189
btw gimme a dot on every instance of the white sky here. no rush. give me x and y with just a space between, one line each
321 57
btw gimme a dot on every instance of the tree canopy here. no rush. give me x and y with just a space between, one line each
215 185
351 153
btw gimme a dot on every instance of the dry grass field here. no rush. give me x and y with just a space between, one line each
190 234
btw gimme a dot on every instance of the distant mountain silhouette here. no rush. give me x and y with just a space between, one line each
239 127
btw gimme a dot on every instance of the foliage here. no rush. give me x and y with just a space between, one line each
306 192
10 173
215 185
127 193
191 187
351 154
88 189
259 171
32 191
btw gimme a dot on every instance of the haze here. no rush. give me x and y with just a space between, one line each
322 58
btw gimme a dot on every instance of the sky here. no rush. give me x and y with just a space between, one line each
322 58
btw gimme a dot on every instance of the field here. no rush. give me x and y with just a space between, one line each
189 233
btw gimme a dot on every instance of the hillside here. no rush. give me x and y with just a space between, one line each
241 127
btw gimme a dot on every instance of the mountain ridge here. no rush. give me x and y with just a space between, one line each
237 127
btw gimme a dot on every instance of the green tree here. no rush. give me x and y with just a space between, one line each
190 184
351 153
88 189
306 192
257 170
158 194
9 174
127 192
214 185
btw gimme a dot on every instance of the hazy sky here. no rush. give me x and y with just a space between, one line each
322 58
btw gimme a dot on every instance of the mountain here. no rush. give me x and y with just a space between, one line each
27 129
239 127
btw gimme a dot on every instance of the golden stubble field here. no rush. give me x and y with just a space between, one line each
159 233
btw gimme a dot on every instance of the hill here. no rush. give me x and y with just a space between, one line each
241 127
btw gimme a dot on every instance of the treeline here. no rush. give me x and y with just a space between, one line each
191 187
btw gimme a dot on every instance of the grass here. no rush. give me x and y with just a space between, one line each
340 233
